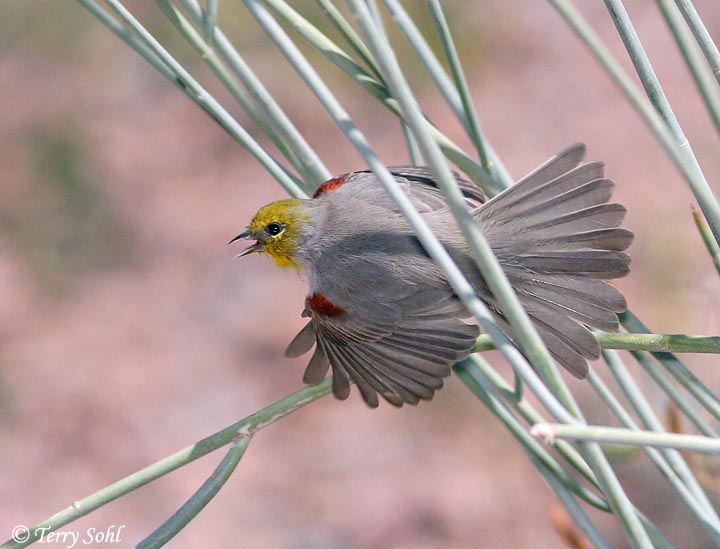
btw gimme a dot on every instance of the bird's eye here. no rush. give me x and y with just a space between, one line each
274 228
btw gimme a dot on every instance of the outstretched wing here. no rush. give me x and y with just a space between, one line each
382 314
402 357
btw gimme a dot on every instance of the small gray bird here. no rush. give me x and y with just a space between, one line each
383 315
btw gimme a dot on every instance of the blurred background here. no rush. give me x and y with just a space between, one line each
127 330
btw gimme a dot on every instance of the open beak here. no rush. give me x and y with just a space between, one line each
256 247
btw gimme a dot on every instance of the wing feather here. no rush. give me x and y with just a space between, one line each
555 233
402 366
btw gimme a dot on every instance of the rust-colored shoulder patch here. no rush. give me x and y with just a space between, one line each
331 185
321 305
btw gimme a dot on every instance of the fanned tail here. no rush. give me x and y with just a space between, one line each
558 240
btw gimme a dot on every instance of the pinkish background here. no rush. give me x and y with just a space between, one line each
127 331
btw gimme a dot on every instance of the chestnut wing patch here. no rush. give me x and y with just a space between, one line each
331 185
321 305
420 179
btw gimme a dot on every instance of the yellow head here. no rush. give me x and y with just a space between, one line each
279 229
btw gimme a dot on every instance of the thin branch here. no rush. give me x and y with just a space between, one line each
472 372
477 369
701 34
449 90
461 83
318 40
210 22
549 432
190 509
308 162
674 343
664 380
663 466
247 426
479 247
677 151
152 50
349 35
712 246
660 103
693 56
258 115
669 461
677 369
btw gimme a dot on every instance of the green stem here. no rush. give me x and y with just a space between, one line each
530 414
677 369
210 55
318 40
449 89
574 509
663 379
693 57
712 246
351 37
660 103
674 343
479 247
678 151
310 163
416 157
669 461
616 435
475 369
152 50
702 35
170 528
247 426
129 38
210 21
471 372
460 81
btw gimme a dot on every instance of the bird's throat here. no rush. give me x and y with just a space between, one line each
284 259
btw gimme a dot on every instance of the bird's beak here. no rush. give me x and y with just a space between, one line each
256 247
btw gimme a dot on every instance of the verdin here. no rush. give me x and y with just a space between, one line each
383 315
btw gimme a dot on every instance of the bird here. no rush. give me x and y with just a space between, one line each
383 316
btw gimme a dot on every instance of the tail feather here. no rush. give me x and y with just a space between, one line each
588 290
565 355
587 313
584 196
600 216
560 164
589 263
571 334
529 193
598 239
558 239
344 371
